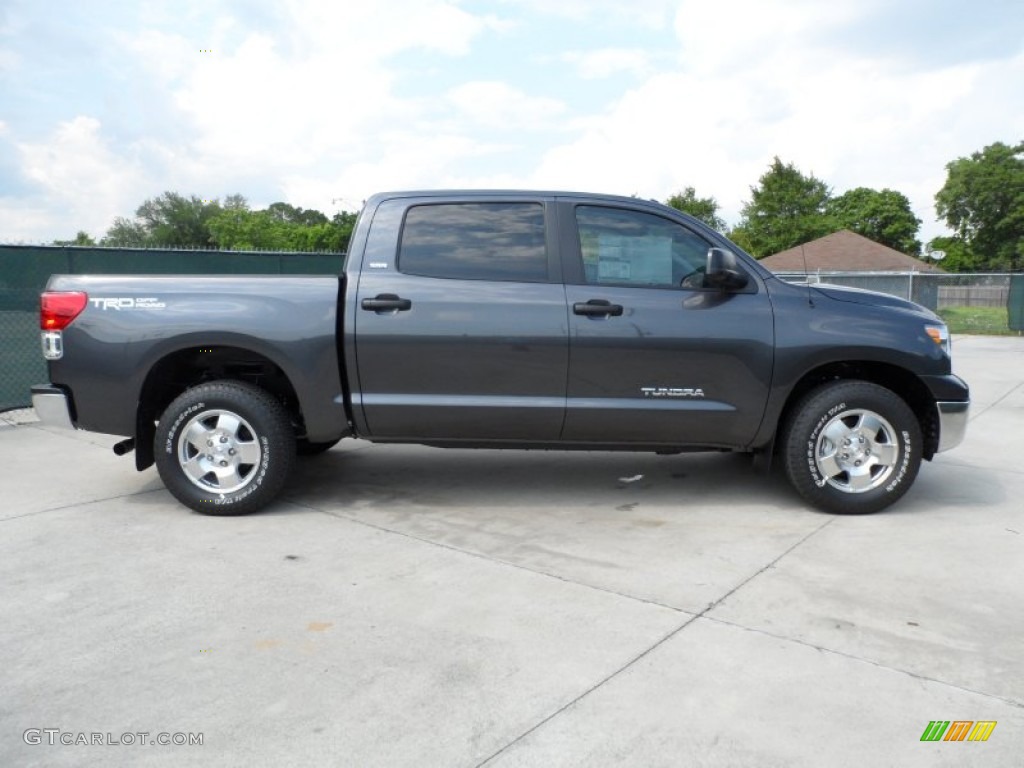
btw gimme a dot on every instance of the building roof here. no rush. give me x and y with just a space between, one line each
844 251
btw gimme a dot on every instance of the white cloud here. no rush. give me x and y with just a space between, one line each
736 35
165 56
371 31
405 161
496 105
319 91
653 14
648 141
83 178
609 61
26 223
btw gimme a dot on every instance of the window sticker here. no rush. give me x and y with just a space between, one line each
634 259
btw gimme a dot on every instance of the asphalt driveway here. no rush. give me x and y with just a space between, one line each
408 606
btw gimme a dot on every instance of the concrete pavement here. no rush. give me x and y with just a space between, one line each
407 606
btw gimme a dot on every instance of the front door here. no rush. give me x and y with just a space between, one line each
654 356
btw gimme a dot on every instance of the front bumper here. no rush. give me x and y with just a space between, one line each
952 423
51 406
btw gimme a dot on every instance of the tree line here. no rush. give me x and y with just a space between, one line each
172 220
982 202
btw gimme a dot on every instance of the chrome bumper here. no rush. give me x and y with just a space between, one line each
952 423
51 406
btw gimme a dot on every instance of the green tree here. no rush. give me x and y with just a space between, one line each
240 229
82 238
176 221
234 202
288 213
230 227
125 233
786 209
883 216
169 220
172 220
959 257
739 236
702 208
280 227
983 202
340 233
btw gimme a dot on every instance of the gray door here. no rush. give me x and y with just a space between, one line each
654 356
464 336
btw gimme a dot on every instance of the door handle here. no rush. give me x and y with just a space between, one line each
385 302
597 308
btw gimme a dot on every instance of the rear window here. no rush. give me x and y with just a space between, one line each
475 241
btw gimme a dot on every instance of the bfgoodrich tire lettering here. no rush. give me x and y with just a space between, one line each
852 447
224 448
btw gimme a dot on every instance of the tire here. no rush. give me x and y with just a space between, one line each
250 441
305 448
852 447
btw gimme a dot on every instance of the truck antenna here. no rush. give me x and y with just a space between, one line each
807 277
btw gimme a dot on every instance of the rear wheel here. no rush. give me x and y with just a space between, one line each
224 448
852 447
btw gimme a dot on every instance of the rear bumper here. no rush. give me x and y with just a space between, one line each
51 406
952 423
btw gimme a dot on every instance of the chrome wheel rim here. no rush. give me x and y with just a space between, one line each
218 451
857 451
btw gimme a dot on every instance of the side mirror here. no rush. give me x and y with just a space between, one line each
724 272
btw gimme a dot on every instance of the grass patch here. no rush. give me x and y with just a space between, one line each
984 320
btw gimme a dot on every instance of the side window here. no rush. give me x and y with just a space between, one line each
475 241
623 247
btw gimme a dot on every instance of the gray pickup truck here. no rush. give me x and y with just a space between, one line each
504 320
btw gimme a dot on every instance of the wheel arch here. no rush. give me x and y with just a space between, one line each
902 382
189 366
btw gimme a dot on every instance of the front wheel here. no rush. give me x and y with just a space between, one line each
852 447
224 448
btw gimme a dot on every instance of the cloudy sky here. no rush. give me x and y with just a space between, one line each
320 103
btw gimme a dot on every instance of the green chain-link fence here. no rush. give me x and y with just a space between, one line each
24 271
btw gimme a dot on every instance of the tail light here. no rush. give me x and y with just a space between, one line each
59 308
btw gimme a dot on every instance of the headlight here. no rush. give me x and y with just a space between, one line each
940 335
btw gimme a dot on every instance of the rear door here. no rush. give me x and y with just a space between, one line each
461 322
654 356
